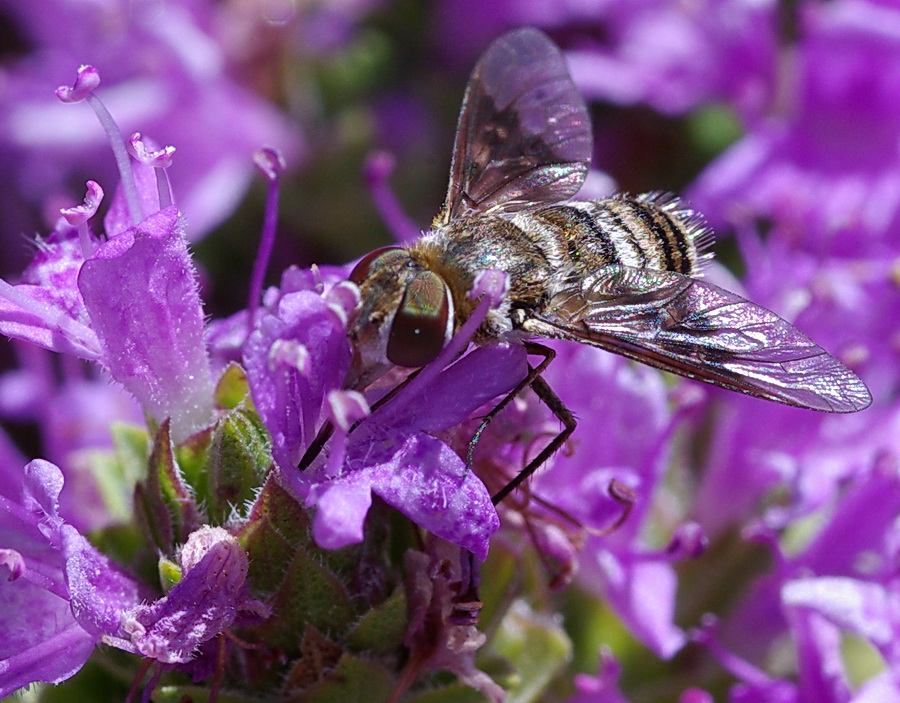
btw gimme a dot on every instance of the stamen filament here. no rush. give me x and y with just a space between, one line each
270 162
123 161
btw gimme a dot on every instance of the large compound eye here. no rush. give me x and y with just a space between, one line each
419 329
373 259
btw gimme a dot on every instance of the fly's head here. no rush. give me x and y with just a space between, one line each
405 316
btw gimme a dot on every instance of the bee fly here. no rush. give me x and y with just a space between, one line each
618 273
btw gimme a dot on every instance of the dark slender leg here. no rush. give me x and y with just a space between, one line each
316 446
325 432
564 415
551 400
533 373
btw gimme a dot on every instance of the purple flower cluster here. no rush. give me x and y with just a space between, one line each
169 520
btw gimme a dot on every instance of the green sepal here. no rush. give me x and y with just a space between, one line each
239 459
192 456
309 593
353 678
536 646
165 506
276 526
153 518
169 574
381 630
232 387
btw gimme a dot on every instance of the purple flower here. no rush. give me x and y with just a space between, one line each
670 55
823 164
130 303
67 595
209 597
616 400
140 291
843 580
80 598
297 353
395 455
819 609
297 359
155 84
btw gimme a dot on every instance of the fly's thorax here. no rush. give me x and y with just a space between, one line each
468 246
406 313
653 230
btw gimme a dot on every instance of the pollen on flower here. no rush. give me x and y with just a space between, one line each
155 157
79 214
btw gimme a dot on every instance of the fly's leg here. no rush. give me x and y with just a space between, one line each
533 373
564 415
318 444
551 400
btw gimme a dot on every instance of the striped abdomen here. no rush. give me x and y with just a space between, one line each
652 230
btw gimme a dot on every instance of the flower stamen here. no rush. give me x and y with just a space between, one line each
86 82
271 163
160 160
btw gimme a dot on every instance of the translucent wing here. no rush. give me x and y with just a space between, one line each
701 331
524 134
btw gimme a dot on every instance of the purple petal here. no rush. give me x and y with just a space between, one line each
46 308
341 509
41 639
480 376
420 476
293 358
642 592
99 593
42 486
141 294
429 483
31 314
50 658
68 595
118 218
211 593
865 609
822 675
